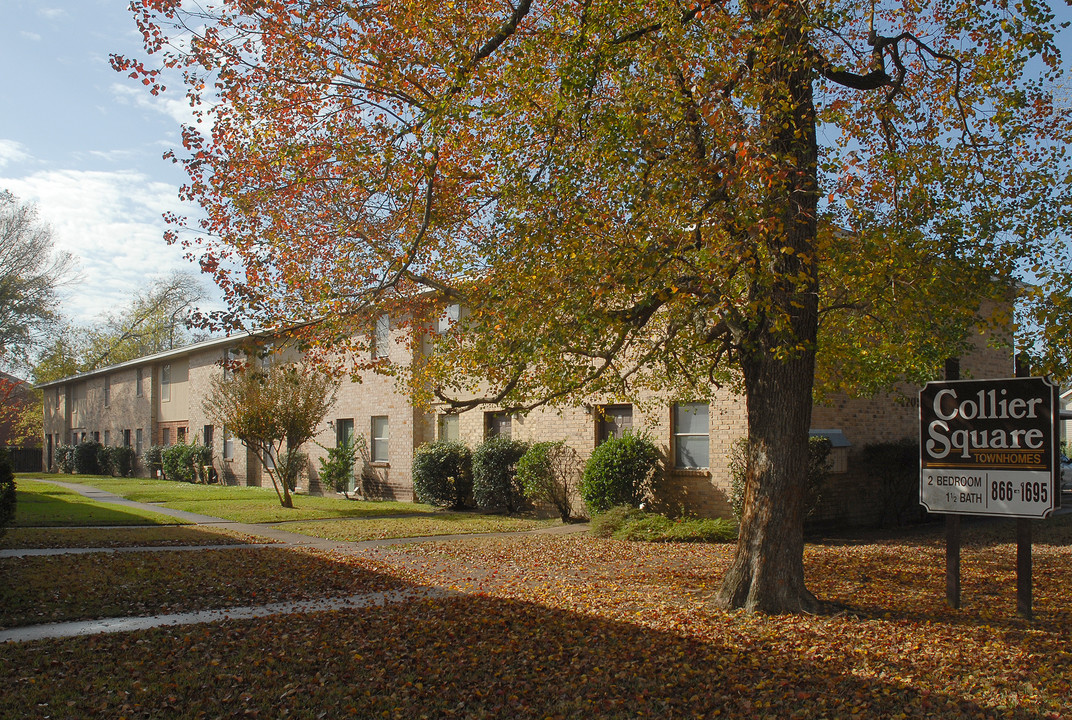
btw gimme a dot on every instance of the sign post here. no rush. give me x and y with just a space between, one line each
989 447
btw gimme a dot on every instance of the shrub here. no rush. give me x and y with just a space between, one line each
86 455
895 466
627 523
818 454
495 484
621 471
183 462
443 474
122 460
548 471
65 458
7 491
153 458
104 460
290 466
338 469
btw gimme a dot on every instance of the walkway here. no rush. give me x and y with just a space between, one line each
269 531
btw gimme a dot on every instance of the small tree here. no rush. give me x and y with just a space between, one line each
338 469
274 411
548 471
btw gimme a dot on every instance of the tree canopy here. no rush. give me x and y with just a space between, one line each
31 273
653 194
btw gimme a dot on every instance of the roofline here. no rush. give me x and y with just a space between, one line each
164 355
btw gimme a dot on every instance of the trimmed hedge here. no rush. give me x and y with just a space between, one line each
87 458
443 474
65 458
495 483
183 462
7 491
621 471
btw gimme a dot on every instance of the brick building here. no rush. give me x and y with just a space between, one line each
158 400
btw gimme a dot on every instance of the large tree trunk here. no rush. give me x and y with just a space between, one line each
778 356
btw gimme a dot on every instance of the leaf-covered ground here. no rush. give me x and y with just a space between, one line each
58 588
577 627
448 523
117 537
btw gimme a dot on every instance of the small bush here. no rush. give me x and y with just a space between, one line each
607 523
65 458
153 459
443 474
7 491
184 462
548 471
621 471
626 523
337 471
122 460
295 461
86 456
104 460
818 454
495 484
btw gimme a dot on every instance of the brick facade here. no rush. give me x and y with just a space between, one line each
173 385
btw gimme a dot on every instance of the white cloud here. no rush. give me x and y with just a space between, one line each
52 13
35 37
112 222
12 151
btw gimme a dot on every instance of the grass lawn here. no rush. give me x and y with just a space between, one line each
41 504
441 524
573 626
245 504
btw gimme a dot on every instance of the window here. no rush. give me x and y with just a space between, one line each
107 390
228 444
613 422
107 437
96 436
137 442
448 428
379 439
344 431
381 340
138 382
496 424
180 435
165 384
692 438
126 438
450 317
206 436
165 436
74 437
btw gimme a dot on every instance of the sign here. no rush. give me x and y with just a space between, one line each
990 447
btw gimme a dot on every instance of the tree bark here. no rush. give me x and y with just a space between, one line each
778 356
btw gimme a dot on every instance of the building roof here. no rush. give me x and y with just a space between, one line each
156 357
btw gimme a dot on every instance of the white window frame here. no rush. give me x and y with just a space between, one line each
678 435
381 338
228 444
379 450
165 383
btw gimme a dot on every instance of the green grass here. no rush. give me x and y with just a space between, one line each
446 524
41 504
246 504
625 523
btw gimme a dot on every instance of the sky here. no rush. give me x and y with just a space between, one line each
85 144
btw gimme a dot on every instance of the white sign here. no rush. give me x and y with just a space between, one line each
989 447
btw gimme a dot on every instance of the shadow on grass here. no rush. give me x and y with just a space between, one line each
476 657
52 506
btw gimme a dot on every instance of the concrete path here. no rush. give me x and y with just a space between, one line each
278 538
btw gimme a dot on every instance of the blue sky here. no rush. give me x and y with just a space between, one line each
85 144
